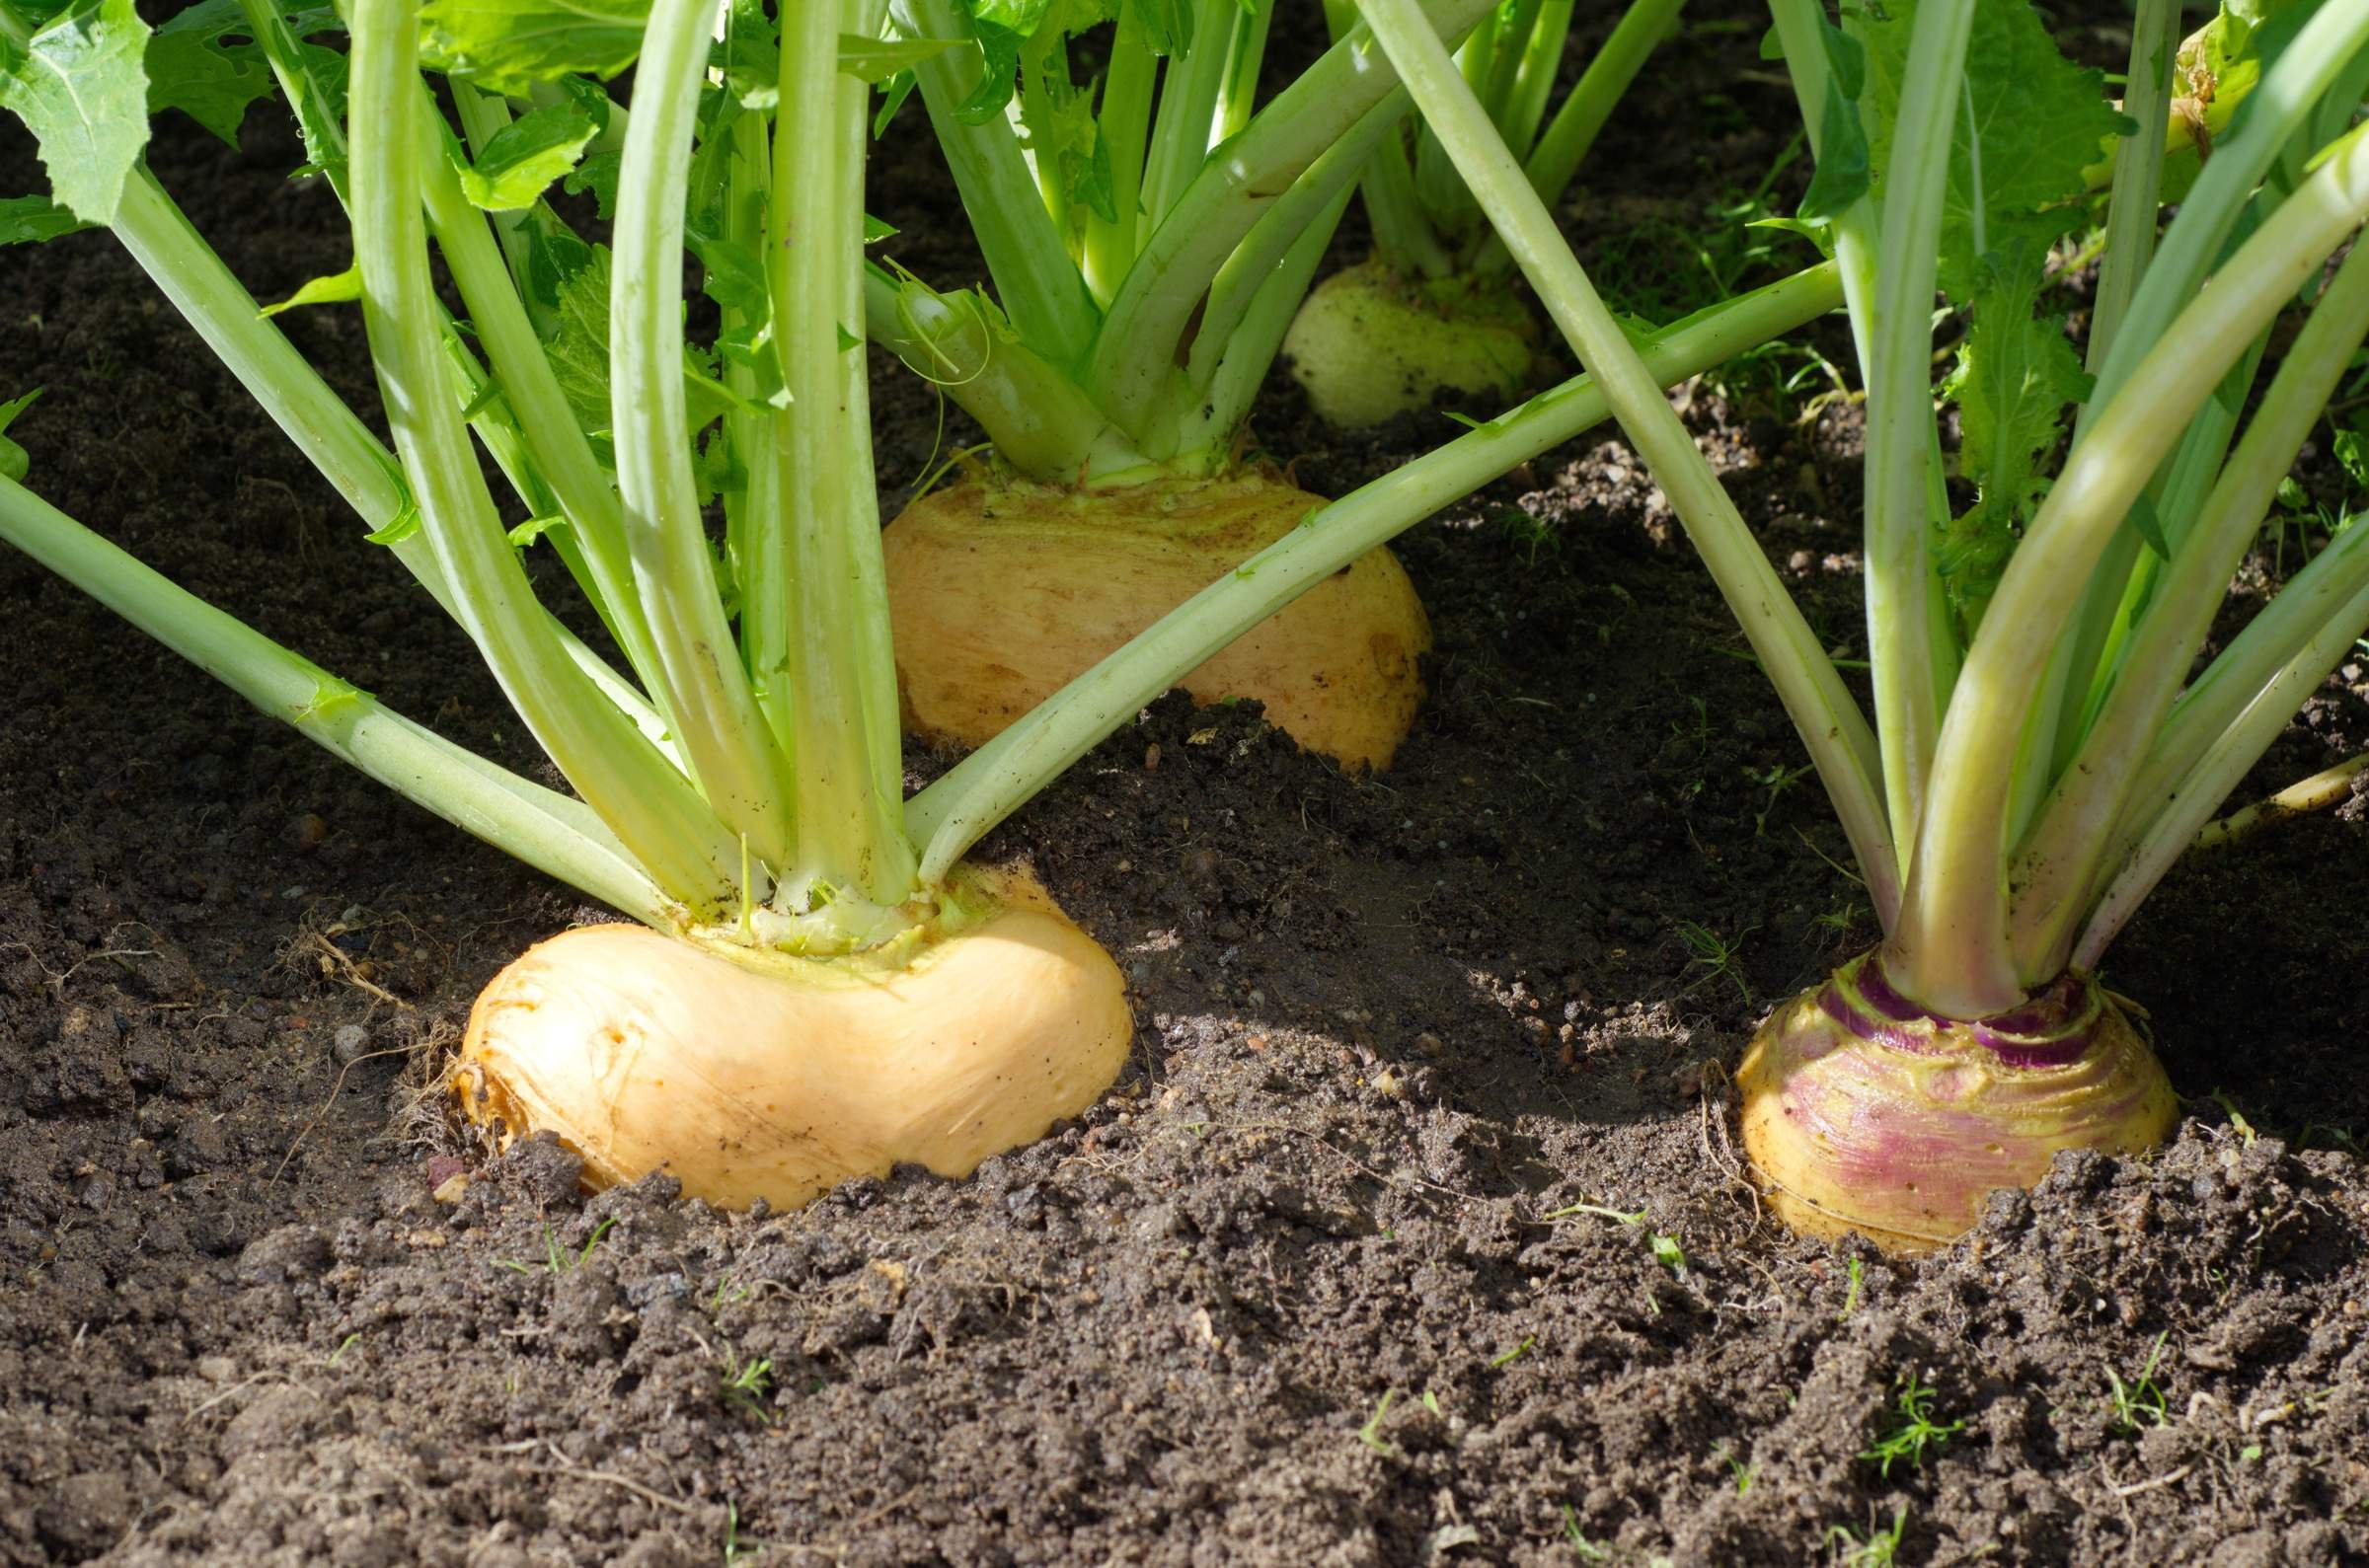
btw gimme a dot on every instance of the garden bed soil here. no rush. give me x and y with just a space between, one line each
1298 1291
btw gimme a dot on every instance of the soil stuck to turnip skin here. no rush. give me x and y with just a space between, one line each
1384 1029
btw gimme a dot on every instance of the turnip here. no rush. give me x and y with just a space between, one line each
1149 237
820 986
2040 754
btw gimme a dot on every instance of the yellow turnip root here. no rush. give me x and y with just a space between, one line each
1001 592
748 1074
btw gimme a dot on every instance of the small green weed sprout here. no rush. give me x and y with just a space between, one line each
1851 1294
1370 1433
1714 955
555 1258
2140 1402
1591 1550
1915 1430
1666 1250
1875 1549
747 1382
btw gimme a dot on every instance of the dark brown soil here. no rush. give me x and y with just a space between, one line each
1294 1293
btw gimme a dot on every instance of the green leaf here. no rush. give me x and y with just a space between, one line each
590 97
402 526
2351 447
1819 234
575 340
848 339
1060 130
1021 18
894 93
1167 25
29 220
508 45
555 254
2029 121
205 63
877 59
2015 377
598 174
15 461
1843 174
486 396
81 88
522 159
749 55
730 275
532 529
1000 49
338 288
876 229
2149 524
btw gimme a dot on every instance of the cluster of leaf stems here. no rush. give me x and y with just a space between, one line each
2037 754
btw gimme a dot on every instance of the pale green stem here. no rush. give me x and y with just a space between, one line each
1039 422
2138 177
1542 58
1124 121
753 510
1518 25
483 117
340 449
653 811
843 700
2311 604
213 302
1436 181
994 780
549 831
307 96
545 422
725 738
1135 357
2061 857
2078 666
1190 88
1952 953
1035 281
1900 601
1822 708
2178 495
1856 251
1555 162
1240 94
1257 336
1283 227
1403 237
2274 111
2224 764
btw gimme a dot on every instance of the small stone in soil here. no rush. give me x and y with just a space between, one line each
351 1042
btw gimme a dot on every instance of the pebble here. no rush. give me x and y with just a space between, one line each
350 1042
